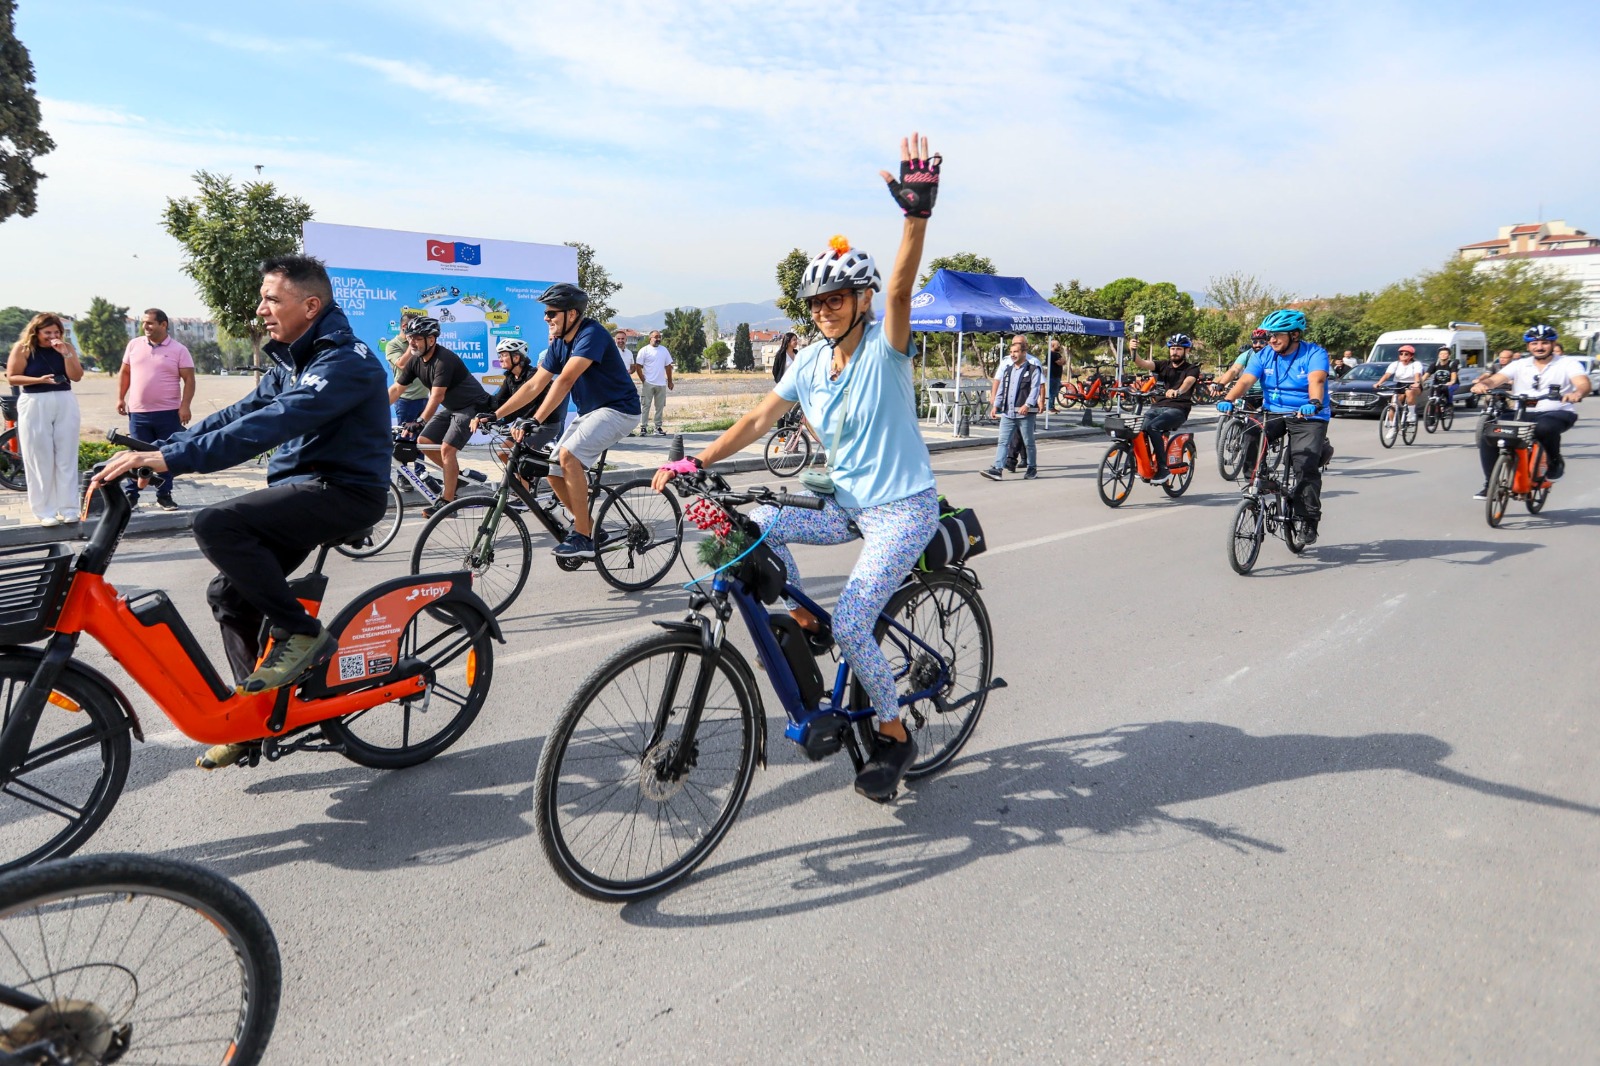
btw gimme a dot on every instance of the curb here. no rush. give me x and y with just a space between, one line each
171 522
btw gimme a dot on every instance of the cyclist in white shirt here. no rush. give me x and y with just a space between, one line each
1551 417
1408 372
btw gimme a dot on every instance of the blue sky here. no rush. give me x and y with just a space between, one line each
1323 146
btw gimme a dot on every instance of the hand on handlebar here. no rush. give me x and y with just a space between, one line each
668 471
1224 407
1307 410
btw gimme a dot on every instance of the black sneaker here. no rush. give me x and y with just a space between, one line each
1011 468
1483 493
992 474
434 508
879 780
1554 471
1308 532
1030 475
166 503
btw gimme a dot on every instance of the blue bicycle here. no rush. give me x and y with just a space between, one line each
649 762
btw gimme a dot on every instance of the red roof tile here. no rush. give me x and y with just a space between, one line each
1488 244
1524 229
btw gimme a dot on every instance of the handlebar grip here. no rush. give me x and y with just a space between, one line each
810 503
121 439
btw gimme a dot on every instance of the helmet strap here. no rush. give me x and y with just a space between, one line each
861 317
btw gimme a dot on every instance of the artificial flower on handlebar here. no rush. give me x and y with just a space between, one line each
725 543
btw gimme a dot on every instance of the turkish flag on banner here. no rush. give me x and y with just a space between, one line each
441 252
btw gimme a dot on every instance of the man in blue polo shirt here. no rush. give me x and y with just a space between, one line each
583 360
1294 381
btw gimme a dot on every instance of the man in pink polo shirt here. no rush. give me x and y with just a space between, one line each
154 390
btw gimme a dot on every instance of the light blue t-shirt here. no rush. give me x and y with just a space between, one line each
1286 380
872 408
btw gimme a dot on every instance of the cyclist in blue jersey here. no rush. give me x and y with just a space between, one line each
854 384
1293 374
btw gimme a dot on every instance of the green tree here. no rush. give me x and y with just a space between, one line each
791 271
966 262
1075 299
744 356
1341 323
716 354
12 322
1218 334
226 232
1113 297
1165 310
22 138
103 332
685 337
207 356
1506 297
594 280
1243 298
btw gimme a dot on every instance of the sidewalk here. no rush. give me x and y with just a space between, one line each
630 458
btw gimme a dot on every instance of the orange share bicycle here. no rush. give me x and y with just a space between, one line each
414 663
1519 470
1129 456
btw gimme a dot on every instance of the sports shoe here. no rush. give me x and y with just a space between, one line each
1030 475
1556 468
1308 532
67 518
660 432
166 503
636 433
220 755
576 546
879 780
1483 493
50 521
1011 468
992 474
1160 477
291 657
434 508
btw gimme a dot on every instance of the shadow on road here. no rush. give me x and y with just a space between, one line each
1100 791
1452 552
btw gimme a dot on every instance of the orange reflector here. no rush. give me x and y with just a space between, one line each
66 703
472 666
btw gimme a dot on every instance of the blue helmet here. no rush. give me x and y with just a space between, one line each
1179 340
1283 321
1540 333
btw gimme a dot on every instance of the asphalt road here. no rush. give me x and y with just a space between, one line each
1344 809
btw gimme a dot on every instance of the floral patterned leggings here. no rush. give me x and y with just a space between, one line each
895 535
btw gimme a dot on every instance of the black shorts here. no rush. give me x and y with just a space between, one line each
450 427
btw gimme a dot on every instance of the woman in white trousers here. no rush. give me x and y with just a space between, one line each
44 364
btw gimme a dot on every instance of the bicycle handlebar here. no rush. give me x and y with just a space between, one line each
715 487
121 439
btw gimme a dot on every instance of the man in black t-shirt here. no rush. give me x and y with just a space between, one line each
1445 374
454 398
1171 410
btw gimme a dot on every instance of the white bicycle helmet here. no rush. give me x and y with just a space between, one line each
513 345
840 267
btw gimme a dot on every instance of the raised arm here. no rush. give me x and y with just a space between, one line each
915 191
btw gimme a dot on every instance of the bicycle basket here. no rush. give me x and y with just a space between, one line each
1123 428
763 573
33 581
1513 433
958 538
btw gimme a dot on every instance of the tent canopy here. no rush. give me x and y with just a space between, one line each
957 302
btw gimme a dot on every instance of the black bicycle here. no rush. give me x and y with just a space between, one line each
638 530
1268 504
1440 410
128 958
410 476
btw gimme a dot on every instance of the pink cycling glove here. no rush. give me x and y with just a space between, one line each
682 466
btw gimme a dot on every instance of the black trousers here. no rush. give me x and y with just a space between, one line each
257 540
1547 429
1307 441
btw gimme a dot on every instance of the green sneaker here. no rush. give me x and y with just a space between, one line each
219 755
291 657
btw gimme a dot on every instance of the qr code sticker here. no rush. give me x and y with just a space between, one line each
352 666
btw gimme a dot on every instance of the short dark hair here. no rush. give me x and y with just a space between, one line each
161 316
304 272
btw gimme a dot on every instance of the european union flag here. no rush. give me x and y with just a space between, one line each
471 254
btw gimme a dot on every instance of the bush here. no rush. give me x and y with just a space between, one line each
91 452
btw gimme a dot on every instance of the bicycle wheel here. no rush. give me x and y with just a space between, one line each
1178 484
13 475
1389 426
1408 427
1245 535
384 531
1499 489
1116 475
1230 449
1293 527
788 451
642 531
73 772
1447 414
1430 415
135 959
455 539
611 822
1541 492
944 611
454 641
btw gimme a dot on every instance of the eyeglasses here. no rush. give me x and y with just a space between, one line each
831 302
551 316
1275 334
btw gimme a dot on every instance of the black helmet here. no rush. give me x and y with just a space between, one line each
422 327
564 297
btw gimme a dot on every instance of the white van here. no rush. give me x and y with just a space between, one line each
1466 340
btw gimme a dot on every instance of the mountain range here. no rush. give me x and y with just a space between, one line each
759 315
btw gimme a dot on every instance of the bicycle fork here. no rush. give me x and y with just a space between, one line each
17 737
680 758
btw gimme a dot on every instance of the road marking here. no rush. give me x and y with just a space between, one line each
1067 534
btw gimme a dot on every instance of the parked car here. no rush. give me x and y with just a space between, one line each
1353 395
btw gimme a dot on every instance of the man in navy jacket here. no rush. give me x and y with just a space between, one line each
324 406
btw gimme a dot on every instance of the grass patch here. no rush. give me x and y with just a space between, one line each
715 425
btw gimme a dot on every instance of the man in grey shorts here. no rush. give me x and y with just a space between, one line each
584 361
455 397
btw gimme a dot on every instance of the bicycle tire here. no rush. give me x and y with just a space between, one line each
1178 484
1115 479
162 934
1494 508
644 531
788 451
50 784
1291 525
450 542
1408 428
13 472
593 791
946 612
383 531
1230 450
1389 426
1245 535
461 670
1536 499
1430 415
1447 415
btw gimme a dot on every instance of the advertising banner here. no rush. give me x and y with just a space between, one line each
479 289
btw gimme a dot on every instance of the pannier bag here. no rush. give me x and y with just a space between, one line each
958 538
